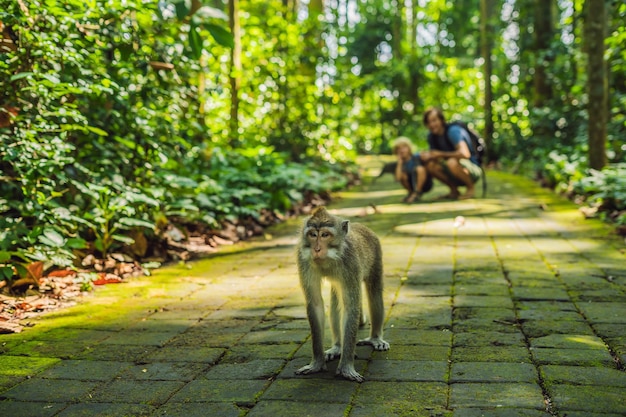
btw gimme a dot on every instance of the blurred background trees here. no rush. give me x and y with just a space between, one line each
126 115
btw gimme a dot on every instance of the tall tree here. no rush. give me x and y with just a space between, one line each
414 67
486 45
543 31
597 81
235 69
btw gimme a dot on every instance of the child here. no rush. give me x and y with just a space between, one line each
409 170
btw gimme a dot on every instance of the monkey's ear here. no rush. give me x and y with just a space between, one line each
344 225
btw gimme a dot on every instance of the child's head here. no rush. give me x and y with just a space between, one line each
402 145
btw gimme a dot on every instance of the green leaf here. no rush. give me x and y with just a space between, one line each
97 131
221 35
195 42
76 243
52 238
53 79
128 221
183 7
20 76
124 239
21 270
5 256
6 272
208 12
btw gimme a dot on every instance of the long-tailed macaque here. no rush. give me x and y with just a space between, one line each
346 255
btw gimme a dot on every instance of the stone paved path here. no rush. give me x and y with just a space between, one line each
520 311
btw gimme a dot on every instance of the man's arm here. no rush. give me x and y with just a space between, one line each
458 138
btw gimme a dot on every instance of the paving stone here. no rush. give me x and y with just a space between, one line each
501 290
414 352
541 328
104 409
544 293
515 354
215 340
583 375
164 371
493 372
233 391
254 369
30 409
244 353
398 408
170 353
306 390
102 352
500 412
85 370
556 316
149 392
518 395
42 348
14 369
396 394
403 370
196 409
275 337
482 301
401 336
485 325
545 306
582 357
140 338
47 390
489 338
588 398
568 341
497 314
614 313
273 408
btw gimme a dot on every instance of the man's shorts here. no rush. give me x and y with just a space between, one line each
473 169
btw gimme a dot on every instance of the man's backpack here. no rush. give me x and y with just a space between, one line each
479 145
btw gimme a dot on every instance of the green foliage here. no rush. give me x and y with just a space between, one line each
111 127
606 188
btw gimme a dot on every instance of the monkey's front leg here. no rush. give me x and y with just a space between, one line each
315 313
351 318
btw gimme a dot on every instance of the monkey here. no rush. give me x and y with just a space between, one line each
389 168
348 256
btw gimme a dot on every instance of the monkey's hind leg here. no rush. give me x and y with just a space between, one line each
335 326
374 290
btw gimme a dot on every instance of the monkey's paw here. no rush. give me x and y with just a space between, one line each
332 353
311 369
376 342
348 372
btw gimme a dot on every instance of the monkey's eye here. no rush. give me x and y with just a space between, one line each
312 233
325 234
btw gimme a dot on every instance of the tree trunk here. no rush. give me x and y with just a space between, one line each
414 67
543 36
597 82
235 70
486 45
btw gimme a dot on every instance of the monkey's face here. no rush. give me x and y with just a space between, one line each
320 242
